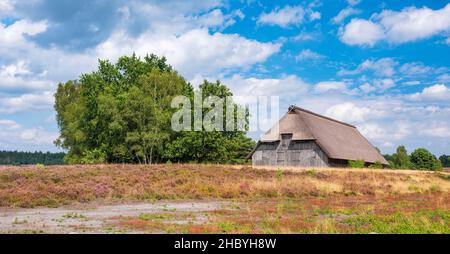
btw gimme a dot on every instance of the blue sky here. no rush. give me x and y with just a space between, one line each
382 66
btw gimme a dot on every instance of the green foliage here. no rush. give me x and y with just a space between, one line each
122 113
356 164
391 164
24 158
119 113
211 146
74 216
280 174
424 160
445 160
94 156
227 226
420 159
376 165
400 159
154 216
421 222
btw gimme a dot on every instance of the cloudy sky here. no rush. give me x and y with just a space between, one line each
382 66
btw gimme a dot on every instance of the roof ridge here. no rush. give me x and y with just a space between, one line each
292 107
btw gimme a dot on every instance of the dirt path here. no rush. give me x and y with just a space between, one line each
95 219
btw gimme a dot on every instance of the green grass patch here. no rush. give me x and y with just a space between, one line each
154 216
423 222
76 216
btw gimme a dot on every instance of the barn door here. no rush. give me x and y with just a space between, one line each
282 158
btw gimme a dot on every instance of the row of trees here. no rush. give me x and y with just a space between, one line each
420 159
122 113
22 158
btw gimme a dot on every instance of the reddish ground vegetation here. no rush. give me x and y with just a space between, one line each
325 200
61 185
401 213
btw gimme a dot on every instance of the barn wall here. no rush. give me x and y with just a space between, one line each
290 153
338 163
265 154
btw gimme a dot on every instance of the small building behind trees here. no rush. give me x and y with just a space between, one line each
302 138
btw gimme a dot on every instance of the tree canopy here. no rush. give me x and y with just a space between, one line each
445 160
122 113
420 159
400 159
423 159
212 146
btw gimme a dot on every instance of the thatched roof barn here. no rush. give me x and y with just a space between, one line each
304 138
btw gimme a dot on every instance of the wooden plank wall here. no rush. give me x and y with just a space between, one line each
295 154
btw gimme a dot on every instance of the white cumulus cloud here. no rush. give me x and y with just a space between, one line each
196 51
307 54
18 76
284 17
289 86
27 102
6 6
361 32
326 86
15 32
19 136
372 131
383 67
9 124
435 92
396 27
348 112
343 14
440 130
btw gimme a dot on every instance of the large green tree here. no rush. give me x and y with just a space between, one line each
400 159
122 113
205 145
424 160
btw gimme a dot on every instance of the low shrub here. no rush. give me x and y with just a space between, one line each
376 165
40 166
356 164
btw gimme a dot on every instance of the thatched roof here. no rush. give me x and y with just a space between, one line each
337 139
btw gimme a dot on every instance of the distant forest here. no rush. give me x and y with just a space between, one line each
23 158
400 159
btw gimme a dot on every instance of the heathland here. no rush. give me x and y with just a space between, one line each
209 198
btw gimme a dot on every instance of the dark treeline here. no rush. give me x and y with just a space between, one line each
23 158
445 160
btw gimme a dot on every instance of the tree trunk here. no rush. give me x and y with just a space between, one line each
151 155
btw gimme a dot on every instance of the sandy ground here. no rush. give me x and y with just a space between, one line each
95 219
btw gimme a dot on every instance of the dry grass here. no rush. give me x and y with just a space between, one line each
60 185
